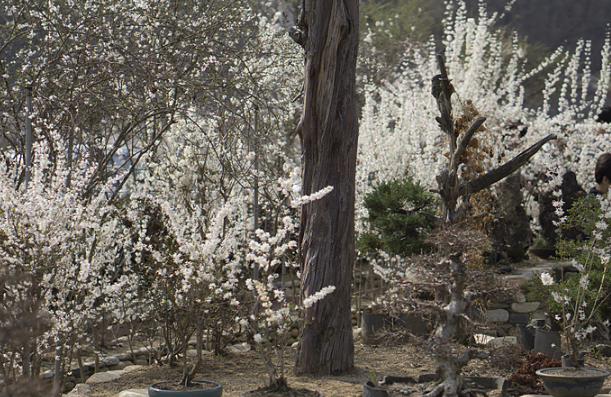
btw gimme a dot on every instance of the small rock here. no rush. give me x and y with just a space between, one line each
79 390
497 315
110 361
142 361
295 332
504 269
241 348
124 356
603 349
68 385
519 297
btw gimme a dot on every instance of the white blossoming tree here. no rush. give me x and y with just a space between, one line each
399 135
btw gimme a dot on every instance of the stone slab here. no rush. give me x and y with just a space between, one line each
482 339
525 307
134 393
131 368
502 341
102 377
122 365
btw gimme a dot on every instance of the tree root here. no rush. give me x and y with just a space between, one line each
436 392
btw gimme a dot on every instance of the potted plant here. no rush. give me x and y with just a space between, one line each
578 301
270 315
193 271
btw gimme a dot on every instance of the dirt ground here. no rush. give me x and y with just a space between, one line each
238 372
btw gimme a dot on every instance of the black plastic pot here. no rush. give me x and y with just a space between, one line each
370 390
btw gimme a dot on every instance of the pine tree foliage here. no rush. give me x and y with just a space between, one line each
396 221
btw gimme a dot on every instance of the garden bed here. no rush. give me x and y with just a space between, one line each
238 372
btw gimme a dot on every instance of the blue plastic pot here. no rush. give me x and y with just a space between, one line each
156 390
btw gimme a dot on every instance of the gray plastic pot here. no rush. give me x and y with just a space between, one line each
156 390
564 385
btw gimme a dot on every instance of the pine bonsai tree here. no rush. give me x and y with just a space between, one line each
397 218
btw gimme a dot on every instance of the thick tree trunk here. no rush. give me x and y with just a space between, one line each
329 132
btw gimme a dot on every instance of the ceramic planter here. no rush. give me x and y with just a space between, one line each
156 390
573 385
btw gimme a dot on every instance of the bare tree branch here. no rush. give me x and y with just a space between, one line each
505 170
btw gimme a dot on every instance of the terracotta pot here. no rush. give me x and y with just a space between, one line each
156 390
573 385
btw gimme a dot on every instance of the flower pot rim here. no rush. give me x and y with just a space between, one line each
212 391
603 373
320 392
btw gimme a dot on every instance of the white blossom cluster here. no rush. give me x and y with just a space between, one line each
270 318
577 316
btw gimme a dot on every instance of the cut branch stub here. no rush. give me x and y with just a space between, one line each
504 170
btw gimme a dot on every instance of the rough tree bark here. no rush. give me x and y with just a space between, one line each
328 32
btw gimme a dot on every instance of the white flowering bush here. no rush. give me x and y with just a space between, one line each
271 314
189 273
67 247
578 300
138 205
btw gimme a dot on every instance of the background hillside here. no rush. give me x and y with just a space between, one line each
543 24
555 23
